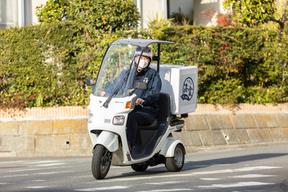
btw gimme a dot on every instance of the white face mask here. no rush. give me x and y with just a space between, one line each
142 64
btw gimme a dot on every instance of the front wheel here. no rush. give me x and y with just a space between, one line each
101 161
176 163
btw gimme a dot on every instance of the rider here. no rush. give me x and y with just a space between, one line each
147 85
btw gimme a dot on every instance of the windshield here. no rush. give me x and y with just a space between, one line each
115 69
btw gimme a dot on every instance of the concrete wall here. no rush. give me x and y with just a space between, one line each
44 132
63 131
226 129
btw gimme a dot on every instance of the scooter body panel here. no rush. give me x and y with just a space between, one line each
169 147
101 121
109 140
157 149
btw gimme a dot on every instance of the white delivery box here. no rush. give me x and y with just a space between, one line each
181 83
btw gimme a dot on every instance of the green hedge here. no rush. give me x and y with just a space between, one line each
41 66
46 65
236 65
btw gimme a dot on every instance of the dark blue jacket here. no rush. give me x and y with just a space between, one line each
147 86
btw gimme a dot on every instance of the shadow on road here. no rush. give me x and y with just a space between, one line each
190 165
230 160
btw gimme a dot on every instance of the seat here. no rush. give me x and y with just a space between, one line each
164 112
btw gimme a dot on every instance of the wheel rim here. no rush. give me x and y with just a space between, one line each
105 161
178 157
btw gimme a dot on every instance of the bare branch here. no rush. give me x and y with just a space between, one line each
280 22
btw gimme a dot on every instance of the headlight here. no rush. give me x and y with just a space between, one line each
118 120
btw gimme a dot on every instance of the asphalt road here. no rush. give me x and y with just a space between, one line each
253 169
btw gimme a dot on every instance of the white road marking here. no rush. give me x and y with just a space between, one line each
119 167
252 176
43 162
239 177
245 169
210 179
256 168
168 190
39 169
49 164
53 172
165 183
43 173
19 175
38 180
239 184
4 183
23 170
103 188
36 187
11 162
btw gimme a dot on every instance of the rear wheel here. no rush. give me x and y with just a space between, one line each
101 162
176 163
140 167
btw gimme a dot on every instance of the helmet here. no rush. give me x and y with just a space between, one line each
146 52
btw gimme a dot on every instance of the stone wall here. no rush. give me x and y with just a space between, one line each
62 131
230 129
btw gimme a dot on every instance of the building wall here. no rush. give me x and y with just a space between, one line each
206 11
181 6
18 12
153 9
8 13
203 12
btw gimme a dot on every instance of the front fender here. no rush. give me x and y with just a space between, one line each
169 147
108 140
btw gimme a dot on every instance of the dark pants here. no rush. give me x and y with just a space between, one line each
139 116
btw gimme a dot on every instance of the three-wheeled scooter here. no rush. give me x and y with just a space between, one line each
108 112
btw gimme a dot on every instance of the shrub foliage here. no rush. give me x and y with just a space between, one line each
46 65
236 65
105 15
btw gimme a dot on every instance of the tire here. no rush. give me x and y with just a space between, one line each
141 167
176 163
101 162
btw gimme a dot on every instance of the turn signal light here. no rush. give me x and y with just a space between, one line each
128 105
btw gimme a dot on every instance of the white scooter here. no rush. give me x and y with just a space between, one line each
108 116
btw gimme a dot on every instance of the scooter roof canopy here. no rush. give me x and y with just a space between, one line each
140 42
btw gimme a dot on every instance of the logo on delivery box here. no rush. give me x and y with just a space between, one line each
188 89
